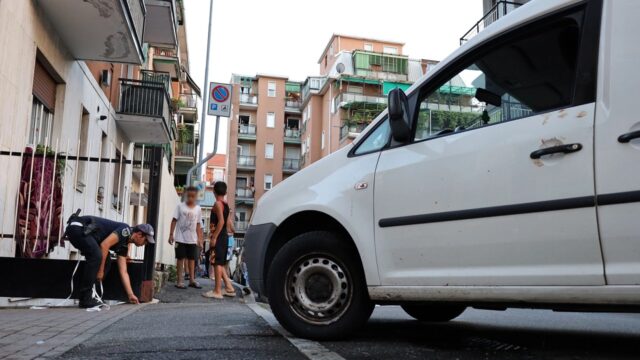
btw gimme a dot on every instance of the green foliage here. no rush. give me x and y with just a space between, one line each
442 119
47 151
172 273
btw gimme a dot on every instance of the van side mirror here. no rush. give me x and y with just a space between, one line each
399 119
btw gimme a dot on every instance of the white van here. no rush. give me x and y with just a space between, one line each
532 201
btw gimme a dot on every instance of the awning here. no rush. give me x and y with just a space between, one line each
387 86
192 83
360 80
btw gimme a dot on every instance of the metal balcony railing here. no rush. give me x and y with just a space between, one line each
292 164
292 103
246 161
251 99
158 77
292 134
500 9
349 98
244 193
189 100
247 130
241 226
351 130
185 149
144 98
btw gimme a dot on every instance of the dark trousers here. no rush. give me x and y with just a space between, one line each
89 247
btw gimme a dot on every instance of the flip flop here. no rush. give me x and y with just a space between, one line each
209 294
180 286
229 293
195 285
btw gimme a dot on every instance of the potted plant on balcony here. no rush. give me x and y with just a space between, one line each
177 103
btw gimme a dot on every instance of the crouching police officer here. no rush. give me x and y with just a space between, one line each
94 237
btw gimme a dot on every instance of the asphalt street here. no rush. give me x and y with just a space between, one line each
188 326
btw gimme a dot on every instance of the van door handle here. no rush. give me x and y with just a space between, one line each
565 149
625 138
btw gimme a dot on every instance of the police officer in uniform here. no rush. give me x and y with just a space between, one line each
94 237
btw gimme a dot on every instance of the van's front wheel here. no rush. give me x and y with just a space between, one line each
316 288
434 313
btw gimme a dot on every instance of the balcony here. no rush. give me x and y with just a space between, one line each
166 60
161 26
185 151
246 162
292 136
187 107
106 30
241 226
248 101
246 132
293 105
245 196
360 101
158 77
351 131
381 66
291 166
500 9
143 111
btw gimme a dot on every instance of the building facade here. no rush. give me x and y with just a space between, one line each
87 97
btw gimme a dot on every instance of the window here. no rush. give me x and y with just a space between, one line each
41 123
390 50
268 151
271 89
271 120
376 139
322 141
218 175
530 74
293 124
84 140
244 119
268 181
368 47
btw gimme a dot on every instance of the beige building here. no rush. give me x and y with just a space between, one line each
85 85
264 139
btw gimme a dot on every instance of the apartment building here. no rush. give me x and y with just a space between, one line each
492 10
356 74
90 102
264 139
216 169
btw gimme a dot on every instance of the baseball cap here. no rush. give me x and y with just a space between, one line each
148 231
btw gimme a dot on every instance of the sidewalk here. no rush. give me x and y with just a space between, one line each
47 333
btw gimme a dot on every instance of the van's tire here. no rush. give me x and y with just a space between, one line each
316 287
434 313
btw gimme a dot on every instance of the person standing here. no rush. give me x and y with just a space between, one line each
186 232
95 237
220 216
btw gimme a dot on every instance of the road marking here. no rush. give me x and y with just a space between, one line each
311 349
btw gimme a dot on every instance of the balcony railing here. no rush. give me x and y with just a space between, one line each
351 130
189 100
292 164
244 193
185 150
241 226
500 9
247 131
246 161
139 97
346 99
291 103
251 99
158 77
292 135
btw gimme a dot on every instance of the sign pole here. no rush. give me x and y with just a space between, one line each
203 116
212 154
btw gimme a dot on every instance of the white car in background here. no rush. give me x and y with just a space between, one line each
524 191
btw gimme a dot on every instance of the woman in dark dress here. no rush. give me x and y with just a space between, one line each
220 244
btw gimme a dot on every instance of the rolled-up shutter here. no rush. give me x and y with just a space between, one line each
44 86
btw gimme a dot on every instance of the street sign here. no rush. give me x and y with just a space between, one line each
219 99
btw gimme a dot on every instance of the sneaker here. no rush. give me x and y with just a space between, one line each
89 303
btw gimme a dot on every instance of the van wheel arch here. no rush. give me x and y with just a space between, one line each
301 223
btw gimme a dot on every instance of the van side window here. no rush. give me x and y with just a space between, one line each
519 77
376 139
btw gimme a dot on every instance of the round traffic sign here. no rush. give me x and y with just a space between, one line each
220 93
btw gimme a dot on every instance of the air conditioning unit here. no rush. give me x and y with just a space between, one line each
105 78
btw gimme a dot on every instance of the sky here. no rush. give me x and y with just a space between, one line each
286 37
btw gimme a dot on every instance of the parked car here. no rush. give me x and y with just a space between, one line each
507 177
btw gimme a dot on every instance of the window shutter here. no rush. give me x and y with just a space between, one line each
44 86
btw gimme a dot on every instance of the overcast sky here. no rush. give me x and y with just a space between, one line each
286 37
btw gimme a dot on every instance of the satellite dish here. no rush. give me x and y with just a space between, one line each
340 68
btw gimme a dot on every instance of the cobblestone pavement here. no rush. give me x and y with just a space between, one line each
47 333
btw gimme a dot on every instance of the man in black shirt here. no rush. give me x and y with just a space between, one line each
94 237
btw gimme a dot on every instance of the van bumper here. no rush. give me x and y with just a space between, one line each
256 242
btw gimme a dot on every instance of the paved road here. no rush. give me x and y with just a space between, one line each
187 326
